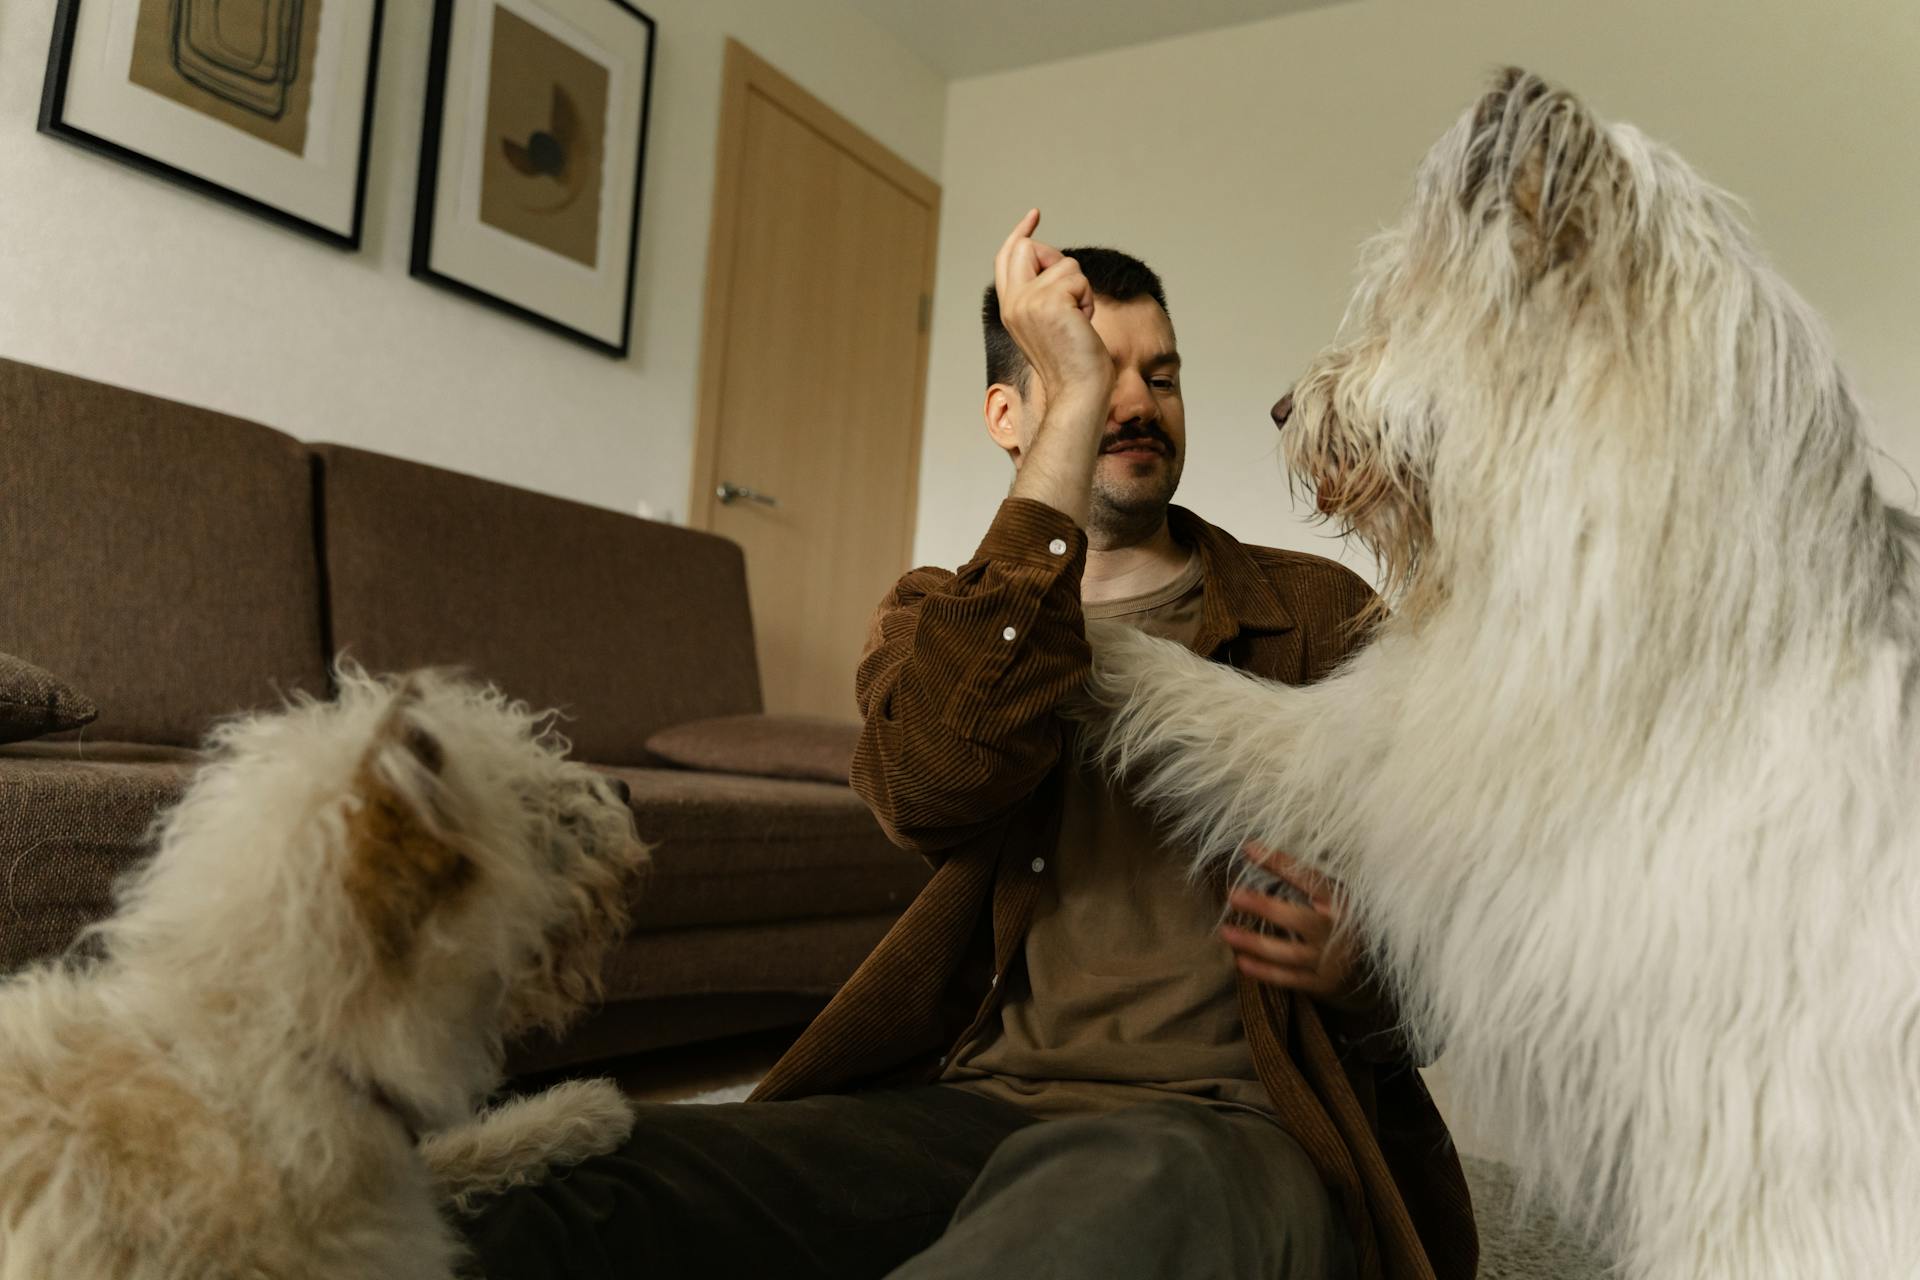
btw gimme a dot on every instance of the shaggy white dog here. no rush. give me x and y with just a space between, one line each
1627 788
351 906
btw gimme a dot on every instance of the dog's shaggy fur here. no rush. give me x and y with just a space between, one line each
350 907
1627 788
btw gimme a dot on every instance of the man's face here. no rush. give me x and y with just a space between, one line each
1144 444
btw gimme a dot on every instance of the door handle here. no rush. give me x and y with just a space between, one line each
728 491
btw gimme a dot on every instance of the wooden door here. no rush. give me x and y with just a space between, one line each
819 280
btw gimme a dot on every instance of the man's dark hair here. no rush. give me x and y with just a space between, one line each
1113 274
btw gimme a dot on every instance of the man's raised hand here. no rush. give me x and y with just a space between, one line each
1047 307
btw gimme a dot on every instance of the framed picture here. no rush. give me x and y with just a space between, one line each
531 157
265 104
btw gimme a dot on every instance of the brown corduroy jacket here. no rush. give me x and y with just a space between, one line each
960 758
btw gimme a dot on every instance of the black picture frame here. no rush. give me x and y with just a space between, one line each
53 123
427 194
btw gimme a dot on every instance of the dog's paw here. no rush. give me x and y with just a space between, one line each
516 1143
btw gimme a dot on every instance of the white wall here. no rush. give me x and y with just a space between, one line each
125 278
1246 165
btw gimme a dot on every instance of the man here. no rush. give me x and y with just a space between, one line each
1058 1063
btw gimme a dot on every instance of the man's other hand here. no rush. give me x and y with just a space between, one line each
1302 948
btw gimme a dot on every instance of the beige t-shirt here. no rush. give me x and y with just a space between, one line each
1127 994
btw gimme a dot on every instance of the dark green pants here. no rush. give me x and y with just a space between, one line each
924 1184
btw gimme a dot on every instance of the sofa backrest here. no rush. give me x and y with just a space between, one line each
157 556
626 625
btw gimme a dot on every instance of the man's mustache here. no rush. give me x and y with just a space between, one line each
1133 433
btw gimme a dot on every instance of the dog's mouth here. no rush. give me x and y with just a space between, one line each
1327 477
604 861
1344 488
1338 479
1333 486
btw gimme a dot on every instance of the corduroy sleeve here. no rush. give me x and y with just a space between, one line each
961 678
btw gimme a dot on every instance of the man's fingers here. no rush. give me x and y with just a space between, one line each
1304 980
1065 274
1026 293
1004 254
1003 273
1033 264
1021 230
1280 951
1308 922
1079 287
1014 270
1061 272
1023 266
1281 864
1022 262
1261 855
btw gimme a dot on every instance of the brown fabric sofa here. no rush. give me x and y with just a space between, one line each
178 565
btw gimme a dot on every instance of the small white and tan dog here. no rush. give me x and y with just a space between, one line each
1626 791
353 905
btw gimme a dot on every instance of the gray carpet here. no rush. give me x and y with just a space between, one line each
1529 1246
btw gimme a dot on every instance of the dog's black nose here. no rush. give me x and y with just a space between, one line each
622 790
1282 410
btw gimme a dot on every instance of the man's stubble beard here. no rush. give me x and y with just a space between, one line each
1128 514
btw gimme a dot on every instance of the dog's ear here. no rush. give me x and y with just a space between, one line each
403 858
1537 154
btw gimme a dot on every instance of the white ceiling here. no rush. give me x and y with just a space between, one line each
974 37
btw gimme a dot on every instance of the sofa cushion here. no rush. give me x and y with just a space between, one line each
34 702
624 624
808 747
161 557
90 752
624 1027
73 820
730 849
805 957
